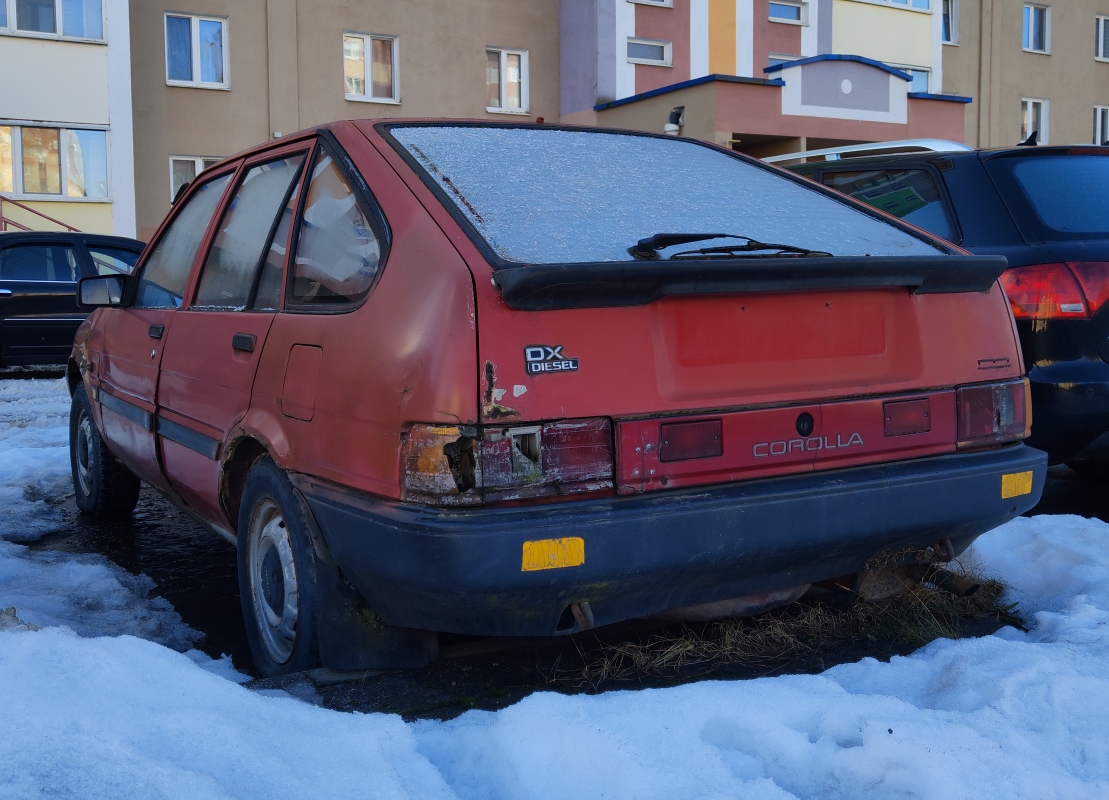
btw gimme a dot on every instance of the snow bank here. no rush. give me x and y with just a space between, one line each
1012 715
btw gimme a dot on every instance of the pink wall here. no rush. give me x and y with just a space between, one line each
669 24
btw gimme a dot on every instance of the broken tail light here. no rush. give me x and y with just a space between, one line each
468 465
993 413
1075 290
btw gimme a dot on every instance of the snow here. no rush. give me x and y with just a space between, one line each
98 703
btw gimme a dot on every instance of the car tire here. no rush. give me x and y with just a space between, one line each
277 573
102 486
1094 470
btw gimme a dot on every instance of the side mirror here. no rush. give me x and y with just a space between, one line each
105 290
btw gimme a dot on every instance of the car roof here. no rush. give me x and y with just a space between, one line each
953 155
9 238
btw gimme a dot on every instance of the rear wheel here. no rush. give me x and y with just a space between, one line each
101 484
277 573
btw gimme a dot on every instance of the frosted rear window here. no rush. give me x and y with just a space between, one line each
559 197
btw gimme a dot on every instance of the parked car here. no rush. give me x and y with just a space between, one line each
1046 209
516 380
38 289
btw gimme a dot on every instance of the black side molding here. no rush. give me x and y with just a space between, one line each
187 437
546 287
125 409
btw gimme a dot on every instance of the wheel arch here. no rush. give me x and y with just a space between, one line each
239 456
72 376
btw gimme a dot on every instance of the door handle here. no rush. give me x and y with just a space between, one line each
243 342
5 292
156 331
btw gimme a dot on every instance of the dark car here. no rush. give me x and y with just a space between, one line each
38 289
476 379
1046 209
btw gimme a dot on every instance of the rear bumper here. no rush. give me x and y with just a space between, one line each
459 570
1070 410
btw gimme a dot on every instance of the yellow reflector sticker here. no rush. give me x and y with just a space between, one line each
553 554
1015 484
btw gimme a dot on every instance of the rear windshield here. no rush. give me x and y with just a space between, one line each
1055 197
550 196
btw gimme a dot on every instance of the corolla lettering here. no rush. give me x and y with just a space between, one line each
813 443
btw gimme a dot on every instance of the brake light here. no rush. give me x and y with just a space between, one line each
467 465
684 441
1093 276
1074 290
993 413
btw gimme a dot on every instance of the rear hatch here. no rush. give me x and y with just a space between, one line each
653 312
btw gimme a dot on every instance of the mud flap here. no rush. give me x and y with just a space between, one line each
351 637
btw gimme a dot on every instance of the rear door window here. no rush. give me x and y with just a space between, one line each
163 278
1055 196
246 230
112 261
913 195
39 263
338 250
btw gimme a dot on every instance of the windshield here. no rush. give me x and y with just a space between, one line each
549 196
1055 197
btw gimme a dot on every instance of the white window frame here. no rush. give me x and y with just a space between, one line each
659 3
668 52
1101 131
1100 25
525 98
800 4
783 58
904 5
1047 29
910 68
953 5
198 165
367 60
12 30
194 46
1045 118
17 192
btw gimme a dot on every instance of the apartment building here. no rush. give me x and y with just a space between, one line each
212 77
763 76
65 115
1041 66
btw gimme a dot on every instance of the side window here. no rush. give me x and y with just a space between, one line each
337 251
46 263
910 194
112 261
246 229
268 296
163 278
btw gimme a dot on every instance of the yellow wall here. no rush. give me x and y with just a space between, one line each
88 217
893 35
722 37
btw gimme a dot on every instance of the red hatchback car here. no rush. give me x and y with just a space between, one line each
526 380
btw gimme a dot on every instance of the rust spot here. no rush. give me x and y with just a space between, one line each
491 408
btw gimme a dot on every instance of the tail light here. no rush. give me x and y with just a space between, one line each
468 465
1075 290
993 413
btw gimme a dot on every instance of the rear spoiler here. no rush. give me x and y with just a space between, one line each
547 287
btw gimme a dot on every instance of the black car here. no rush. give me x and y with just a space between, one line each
38 289
1046 209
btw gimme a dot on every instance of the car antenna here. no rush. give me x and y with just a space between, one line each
1031 140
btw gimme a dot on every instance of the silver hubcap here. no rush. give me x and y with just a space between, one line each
84 454
273 581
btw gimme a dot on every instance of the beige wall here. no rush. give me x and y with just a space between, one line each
286 72
893 35
989 65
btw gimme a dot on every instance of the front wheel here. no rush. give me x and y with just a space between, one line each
277 573
101 484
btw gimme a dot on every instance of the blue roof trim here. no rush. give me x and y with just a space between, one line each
838 57
685 84
951 98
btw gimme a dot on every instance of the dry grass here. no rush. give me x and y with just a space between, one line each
805 636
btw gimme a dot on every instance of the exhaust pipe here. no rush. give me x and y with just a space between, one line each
958 585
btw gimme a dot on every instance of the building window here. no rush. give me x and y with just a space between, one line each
1101 124
924 5
1033 115
183 169
1037 29
1101 42
774 59
649 51
196 51
663 3
792 13
75 19
506 81
920 78
950 25
370 68
50 161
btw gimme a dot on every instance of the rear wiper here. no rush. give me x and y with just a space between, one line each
648 248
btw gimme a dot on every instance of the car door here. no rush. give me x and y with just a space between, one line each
134 335
211 354
38 302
